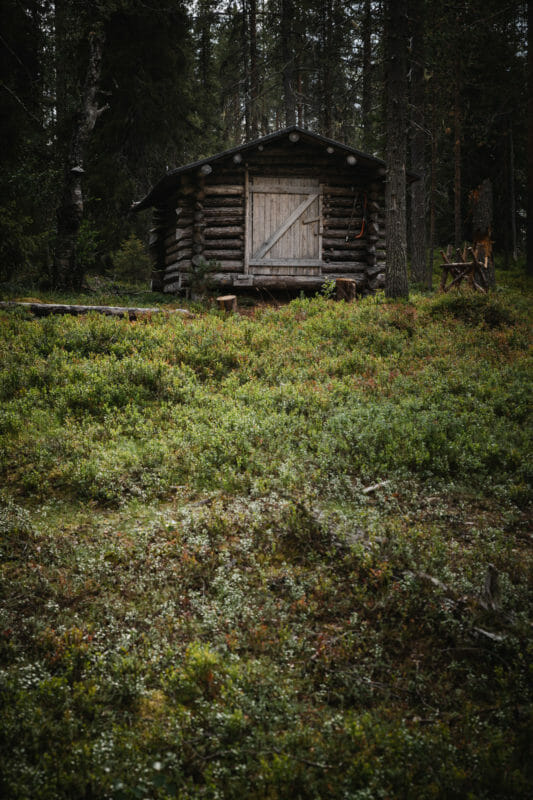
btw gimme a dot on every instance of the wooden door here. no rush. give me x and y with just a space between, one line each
284 226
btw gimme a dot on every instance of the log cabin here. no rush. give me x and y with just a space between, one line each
289 210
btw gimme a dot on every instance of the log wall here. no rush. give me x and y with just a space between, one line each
205 221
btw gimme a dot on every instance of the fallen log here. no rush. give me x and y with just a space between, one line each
45 309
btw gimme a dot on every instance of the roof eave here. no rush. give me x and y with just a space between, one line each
148 200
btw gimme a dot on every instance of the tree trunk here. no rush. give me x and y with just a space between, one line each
326 87
287 57
396 35
366 98
246 70
529 230
68 273
433 190
457 117
254 75
512 196
418 165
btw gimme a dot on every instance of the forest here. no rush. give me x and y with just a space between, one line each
280 549
99 99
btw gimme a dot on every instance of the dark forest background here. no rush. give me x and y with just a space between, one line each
100 98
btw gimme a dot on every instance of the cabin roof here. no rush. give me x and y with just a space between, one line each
171 180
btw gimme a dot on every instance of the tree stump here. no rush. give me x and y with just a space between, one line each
227 302
345 289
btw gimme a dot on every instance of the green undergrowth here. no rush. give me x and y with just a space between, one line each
277 555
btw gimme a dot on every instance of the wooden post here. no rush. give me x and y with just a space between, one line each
227 302
345 289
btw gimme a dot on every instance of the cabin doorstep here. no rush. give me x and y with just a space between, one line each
290 210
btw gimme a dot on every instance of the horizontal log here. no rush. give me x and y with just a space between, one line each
340 202
285 262
236 189
224 213
172 288
179 246
343 255
184 222
340 267
225 244
46 309
290 281
171 277
220 202
341 222
330 191
229 231
235 265
174 258
176 235
339 234
311 189
341 243
222 255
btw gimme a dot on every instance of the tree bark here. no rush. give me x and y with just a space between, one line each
529 229
418 165
396 35
326 47
457 118
366 98
254 74
287 57
68 273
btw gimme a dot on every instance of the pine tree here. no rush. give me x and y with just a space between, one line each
396 127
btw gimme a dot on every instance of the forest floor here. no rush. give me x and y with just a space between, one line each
279 554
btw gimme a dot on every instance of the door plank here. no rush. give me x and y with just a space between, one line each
263 250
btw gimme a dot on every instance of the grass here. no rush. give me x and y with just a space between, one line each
200 600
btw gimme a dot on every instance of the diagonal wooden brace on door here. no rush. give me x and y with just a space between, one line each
271 241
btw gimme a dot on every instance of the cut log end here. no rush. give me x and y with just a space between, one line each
345 289
227 303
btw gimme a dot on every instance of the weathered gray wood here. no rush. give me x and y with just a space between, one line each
224 216
225 244
174 258
223 254
339 190
341 233
342 244
224 190
271 241
345 266
226 232
286 262
46 309
285 189
219 202
292 281
336 222
184 223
